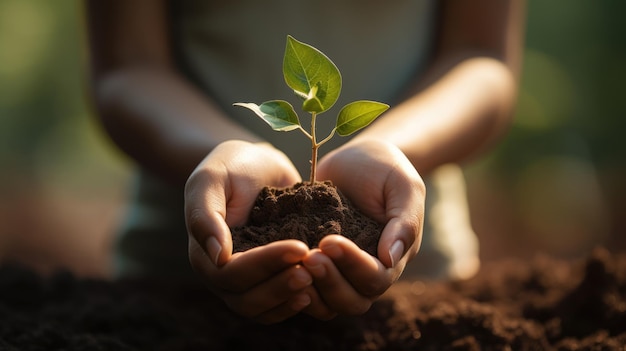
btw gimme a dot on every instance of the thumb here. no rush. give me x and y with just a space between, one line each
205 215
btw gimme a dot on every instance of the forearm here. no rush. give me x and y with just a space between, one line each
161 121
459 115
465 100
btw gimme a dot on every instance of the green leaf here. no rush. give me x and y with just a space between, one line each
279 114
305 67
312 102
357 115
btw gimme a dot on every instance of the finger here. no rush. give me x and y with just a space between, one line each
364 272
205 213
286 310
337 293
318 308
211 234
399 242
405 193
252 267
269 295
203 265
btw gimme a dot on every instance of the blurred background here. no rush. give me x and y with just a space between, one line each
556 184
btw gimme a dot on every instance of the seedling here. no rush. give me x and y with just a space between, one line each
316 80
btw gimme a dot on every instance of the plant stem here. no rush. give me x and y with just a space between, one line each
332 132
314 147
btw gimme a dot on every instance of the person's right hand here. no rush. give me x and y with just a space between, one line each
266 283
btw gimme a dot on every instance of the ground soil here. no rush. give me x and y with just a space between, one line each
539 304
308 213
542 304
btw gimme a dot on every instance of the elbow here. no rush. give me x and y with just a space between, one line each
106 95
115 95
492 88
502 86
116 102
507 85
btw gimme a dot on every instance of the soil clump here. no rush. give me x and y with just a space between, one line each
307 213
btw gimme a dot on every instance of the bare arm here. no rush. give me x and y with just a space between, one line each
462 105
465 101
150 111
168 126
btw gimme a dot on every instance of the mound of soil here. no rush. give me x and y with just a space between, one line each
307 213
539 305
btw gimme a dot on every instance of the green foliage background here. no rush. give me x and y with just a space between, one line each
562 166
573 83
568 131
47 132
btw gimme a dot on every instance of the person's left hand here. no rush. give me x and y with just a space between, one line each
379 179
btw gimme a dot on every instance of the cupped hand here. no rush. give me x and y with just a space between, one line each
378 178
266 283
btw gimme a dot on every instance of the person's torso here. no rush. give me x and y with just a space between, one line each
233 51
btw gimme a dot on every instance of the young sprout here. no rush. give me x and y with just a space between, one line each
317 81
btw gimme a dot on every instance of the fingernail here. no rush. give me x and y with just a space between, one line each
213 249
333 251
300 301
395 252
299 280
292 257
315 266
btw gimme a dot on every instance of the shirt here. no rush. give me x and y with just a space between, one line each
232 50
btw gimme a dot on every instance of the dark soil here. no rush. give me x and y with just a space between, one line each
308 213
543 304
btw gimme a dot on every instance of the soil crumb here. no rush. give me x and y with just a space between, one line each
542 304
307 213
